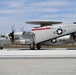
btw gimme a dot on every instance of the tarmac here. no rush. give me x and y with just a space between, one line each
47 61
43 53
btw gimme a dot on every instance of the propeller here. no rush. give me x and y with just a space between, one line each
22 29
11 35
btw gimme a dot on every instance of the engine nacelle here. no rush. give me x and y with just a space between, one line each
23 42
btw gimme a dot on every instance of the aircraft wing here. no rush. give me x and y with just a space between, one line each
43 23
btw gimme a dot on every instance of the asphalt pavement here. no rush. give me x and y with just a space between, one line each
38 62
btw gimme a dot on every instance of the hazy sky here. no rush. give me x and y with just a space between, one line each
17 12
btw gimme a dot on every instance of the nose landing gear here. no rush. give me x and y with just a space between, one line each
1 47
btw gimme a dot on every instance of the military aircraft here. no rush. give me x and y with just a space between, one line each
50 34
46 34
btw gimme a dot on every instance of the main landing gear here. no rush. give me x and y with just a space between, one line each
32 46
38 46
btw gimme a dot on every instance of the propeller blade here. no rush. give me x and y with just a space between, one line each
11 35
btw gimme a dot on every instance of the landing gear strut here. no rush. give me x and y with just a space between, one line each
38 46
32 46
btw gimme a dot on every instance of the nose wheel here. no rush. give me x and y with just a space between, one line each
1 47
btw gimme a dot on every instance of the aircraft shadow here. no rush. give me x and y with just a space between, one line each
39 49
71 49
35 49
50 49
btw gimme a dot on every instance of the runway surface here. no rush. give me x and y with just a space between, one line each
60 61
43 53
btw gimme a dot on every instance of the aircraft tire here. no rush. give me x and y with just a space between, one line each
38 46
1 48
